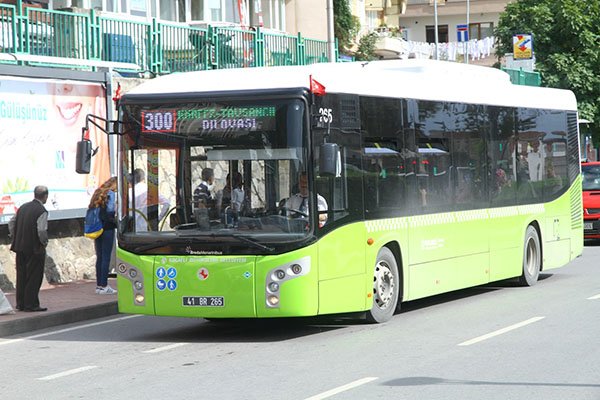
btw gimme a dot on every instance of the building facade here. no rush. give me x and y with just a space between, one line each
290 16
417 22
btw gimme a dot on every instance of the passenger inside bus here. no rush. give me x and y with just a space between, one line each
230 199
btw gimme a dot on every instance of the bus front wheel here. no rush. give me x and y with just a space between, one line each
386 286
532 258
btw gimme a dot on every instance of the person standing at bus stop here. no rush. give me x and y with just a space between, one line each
29 231
103 244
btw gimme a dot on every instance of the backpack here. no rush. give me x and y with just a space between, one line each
92 226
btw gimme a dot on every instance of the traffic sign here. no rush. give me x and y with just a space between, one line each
462 32
523 47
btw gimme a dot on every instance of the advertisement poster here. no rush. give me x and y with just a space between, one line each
40 124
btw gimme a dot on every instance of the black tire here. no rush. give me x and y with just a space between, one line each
386 286
532 258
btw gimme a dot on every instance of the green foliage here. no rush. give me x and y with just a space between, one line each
566 44
346 25
366 47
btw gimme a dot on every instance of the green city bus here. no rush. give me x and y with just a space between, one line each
420 177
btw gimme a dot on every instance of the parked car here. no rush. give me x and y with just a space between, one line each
591 199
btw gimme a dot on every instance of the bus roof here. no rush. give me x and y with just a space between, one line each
416 79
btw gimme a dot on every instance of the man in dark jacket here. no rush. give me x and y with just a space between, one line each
29 232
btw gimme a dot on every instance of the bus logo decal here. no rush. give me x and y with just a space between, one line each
203 274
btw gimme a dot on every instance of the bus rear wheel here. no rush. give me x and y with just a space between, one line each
386 286
532 258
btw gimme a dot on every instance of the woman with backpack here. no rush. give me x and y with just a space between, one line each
104 199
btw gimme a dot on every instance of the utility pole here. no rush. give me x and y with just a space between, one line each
468 35
435 19
330 32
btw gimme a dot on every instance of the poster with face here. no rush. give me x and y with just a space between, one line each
41 121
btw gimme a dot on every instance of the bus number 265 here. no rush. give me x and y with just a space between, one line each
325 115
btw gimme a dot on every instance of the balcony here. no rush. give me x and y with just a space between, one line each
91 40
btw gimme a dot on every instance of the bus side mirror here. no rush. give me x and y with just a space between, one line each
83 158
329 159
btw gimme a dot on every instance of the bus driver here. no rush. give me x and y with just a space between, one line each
299 202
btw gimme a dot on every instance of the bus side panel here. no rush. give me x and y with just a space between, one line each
144 272
342 270
448 251
298 293
446 275
559 237
506 243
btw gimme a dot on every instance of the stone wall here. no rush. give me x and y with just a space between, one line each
69 256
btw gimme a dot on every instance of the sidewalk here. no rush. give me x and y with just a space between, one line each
66 303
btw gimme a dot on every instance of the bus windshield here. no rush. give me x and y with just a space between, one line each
213 177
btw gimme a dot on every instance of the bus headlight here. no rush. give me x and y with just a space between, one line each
138 285
133 272
273 287
139 298
273 300
296 268
280 274
122 268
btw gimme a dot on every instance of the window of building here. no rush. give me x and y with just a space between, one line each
481 30
442 33
372 19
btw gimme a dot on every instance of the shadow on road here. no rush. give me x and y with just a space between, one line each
430 381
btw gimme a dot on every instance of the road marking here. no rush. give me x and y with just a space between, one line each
341 389
11 341
165 348
596 297
67 373
501 331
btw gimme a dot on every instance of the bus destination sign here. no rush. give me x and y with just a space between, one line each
210 119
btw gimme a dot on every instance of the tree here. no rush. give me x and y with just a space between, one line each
366 47
346 25
566 44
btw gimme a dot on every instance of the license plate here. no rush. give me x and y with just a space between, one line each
204 301
588 225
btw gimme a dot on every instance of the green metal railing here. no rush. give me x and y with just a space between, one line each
157 46
520 77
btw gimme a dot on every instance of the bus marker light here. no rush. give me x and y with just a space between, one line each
296 269
273 300
370 241
139 298
369 295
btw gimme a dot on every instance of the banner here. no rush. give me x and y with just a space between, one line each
40 124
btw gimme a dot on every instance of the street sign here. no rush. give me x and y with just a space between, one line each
523 47
462 33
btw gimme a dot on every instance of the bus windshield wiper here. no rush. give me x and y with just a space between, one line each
252 242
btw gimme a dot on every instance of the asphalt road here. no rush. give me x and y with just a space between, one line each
499 341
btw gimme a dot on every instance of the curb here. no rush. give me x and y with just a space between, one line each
49 320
